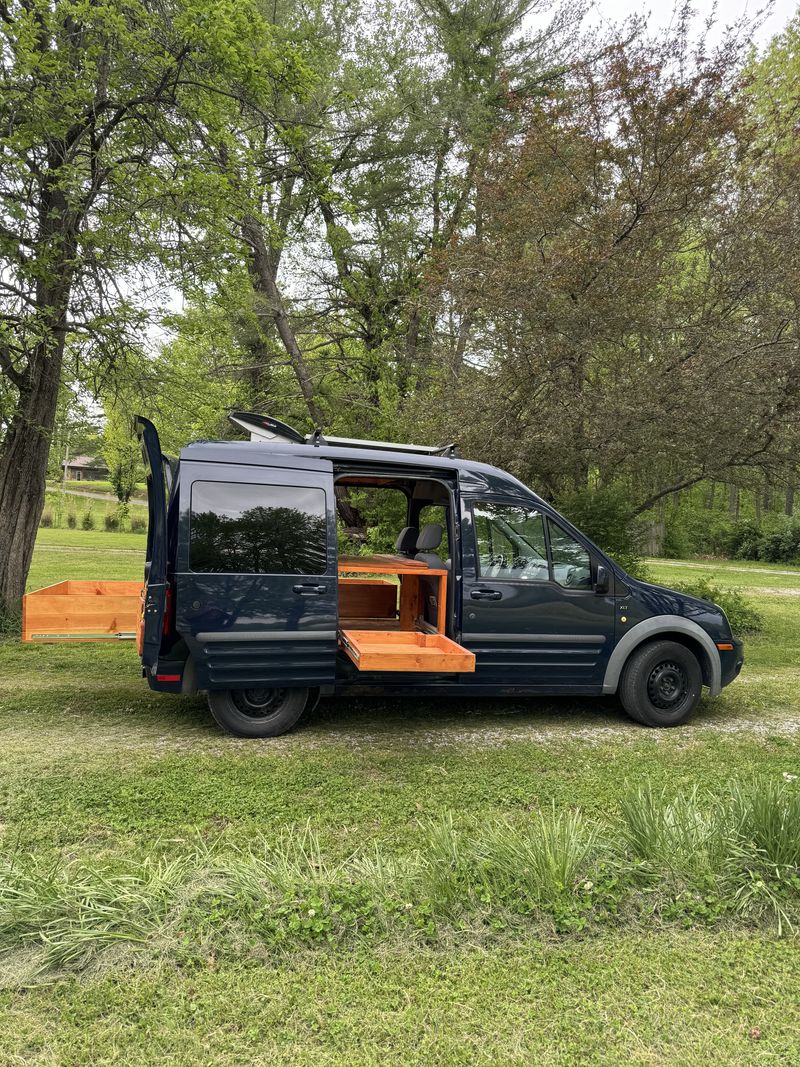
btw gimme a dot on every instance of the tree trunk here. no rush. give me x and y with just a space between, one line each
26 446
733 501
265 284
23 468
790 500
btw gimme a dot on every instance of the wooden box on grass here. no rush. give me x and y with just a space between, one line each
81 611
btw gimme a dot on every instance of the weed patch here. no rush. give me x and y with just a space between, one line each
685 859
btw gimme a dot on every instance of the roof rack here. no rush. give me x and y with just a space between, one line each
266 428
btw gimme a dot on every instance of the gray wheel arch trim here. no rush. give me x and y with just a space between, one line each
658 625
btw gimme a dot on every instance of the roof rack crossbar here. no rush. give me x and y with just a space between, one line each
267 428
318 438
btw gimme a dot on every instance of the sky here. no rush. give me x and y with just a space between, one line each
728 11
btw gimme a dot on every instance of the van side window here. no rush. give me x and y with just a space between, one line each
571 564
510 542
257 529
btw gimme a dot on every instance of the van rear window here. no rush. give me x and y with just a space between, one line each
257 529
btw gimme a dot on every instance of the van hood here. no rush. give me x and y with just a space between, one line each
661 600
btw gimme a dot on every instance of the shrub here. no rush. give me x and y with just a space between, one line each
111 522
138 524
46 519
72 520
778 545
742 616
87 522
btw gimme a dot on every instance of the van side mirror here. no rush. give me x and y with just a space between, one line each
601 580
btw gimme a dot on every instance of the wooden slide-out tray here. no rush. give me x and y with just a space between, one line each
82 611
405 650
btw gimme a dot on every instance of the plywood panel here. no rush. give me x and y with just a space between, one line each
367 598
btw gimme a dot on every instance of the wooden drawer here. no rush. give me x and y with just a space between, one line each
405 650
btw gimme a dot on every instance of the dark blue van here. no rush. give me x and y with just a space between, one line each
248 599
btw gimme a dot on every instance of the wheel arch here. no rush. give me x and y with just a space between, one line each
666 627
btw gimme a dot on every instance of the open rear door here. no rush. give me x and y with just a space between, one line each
155 569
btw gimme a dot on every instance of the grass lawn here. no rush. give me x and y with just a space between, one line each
94 766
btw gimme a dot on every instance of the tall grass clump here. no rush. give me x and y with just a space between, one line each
446 862
677 838
766 817
291 865
69 913
766 813
688 858
541 862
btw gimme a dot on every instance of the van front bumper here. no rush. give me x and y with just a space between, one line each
731 661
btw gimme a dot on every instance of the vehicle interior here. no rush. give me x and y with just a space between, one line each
396 596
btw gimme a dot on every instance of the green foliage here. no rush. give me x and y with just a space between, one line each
742 615
605 515
781 544
87 522
121 451
47 519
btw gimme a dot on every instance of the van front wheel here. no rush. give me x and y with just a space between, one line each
257 712
661 684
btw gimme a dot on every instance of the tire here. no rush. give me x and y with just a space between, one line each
661 684
257 712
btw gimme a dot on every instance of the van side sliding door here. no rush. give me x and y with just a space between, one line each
257 596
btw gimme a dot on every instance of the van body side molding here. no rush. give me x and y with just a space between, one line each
534 639
658 625
267 635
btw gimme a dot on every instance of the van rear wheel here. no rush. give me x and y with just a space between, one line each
661 684
257 712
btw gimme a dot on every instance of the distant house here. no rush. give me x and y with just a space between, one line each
85 469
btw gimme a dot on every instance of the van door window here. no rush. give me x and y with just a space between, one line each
511 543
257 529
572 566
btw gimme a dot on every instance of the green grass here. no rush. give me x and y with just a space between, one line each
95 769
627 999
76 554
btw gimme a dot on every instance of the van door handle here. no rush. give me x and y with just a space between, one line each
309 590
486 594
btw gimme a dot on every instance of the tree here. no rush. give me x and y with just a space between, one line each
625 284
97 107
